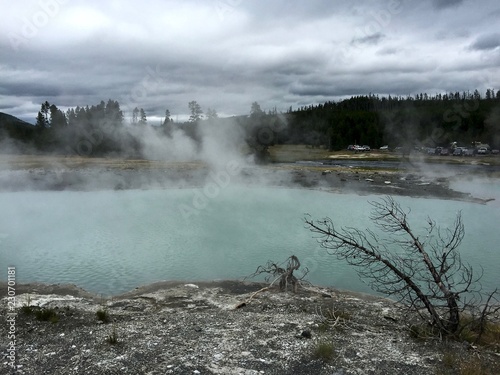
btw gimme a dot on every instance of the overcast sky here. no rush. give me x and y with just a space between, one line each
226 54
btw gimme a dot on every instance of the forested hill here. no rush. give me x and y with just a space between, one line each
11 124
420 120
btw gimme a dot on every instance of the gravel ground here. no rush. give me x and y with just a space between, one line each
170 328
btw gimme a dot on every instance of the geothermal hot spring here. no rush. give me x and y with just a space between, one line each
109 242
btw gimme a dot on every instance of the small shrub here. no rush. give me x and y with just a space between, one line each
472 367
491 336
47 315
422 331
324 351
470 330
452 364
27 310
323 327
113 337
449 360
102 315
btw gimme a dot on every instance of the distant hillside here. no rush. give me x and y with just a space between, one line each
12 123
15 129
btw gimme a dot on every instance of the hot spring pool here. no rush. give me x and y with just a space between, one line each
109 242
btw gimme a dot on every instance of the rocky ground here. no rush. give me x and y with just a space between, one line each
172 328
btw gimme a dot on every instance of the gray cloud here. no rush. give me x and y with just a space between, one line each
369 39
486 42
441 4
227 54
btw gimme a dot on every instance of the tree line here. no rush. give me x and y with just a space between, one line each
420 120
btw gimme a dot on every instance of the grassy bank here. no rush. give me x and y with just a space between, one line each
278 154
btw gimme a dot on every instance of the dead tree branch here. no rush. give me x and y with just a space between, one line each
283 274
425 274
285 277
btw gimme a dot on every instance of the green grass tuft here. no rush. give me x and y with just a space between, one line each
112 339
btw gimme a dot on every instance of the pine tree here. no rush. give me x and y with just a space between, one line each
57 118
167 117
41 123
196 112
135 116
142 117
211 114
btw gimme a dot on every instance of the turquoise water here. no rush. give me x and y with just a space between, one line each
109 242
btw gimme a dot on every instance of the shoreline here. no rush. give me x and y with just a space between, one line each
233 286
116 174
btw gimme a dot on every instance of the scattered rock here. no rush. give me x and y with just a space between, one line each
306 334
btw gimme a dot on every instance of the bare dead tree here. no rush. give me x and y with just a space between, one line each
277 272
424 272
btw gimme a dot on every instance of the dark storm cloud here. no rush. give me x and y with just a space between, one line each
369 39
486 42
30 89
441 4
226 54
354 84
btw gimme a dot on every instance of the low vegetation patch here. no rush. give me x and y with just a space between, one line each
324 350
483 333
473 364
27 309
47 315
112 338
102 315
423 331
